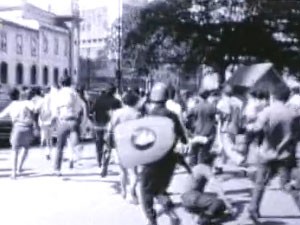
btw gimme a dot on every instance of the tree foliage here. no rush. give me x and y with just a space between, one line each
215 32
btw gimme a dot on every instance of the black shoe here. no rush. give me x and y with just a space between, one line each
103 172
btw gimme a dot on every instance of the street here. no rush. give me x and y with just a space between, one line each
81 196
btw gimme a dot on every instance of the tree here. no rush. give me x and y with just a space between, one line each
218 33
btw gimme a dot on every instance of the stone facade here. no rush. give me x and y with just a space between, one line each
34 50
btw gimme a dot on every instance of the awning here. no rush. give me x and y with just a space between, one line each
260 76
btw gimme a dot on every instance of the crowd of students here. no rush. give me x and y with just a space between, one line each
212 128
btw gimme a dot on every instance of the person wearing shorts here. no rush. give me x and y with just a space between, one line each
21 113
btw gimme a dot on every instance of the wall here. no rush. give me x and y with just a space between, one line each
31 38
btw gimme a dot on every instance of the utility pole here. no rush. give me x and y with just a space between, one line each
119 60
75 41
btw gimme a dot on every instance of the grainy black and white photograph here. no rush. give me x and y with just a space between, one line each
150 112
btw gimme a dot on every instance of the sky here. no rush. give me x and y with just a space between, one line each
64 6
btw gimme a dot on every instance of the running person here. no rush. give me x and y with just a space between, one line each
21 113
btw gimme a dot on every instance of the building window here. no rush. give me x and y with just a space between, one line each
45 76
19 74
56 46
19 44
45 44
55 75
33 46
4 73
33 73
66 73
3 41
88 27
82 27
66 48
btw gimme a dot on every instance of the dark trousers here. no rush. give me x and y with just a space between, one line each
264 174
99 140
147 202
65 129
201 153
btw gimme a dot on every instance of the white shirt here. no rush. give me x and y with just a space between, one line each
174 107
20 112
67 103
294 101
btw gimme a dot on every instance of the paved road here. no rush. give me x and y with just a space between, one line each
81 197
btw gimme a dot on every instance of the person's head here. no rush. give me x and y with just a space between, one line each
159 93
14 94
65 81
171 92
281 93
35 91
130 99
47 90
24 88
110 89
204 94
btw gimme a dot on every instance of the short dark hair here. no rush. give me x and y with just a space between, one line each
111 89
281 92
14 94
204 94
171 92
262 95
130 98
66 80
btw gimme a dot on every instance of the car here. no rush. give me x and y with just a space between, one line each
5 123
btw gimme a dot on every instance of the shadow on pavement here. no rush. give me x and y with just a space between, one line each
239 191
272 223
116 186
280 217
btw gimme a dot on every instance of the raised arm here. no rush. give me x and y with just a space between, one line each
6 112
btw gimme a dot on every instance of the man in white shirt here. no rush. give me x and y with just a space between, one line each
68 112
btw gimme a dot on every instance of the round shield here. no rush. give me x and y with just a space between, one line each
144 140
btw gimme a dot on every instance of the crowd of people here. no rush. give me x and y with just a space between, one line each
212 128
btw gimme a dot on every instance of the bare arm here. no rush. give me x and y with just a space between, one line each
5 112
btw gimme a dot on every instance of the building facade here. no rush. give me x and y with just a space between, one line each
35 47
94 30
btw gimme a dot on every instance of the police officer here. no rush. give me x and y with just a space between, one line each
155 177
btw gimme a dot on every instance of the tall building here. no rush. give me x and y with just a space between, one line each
96 25
35 46
99 37
94 31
